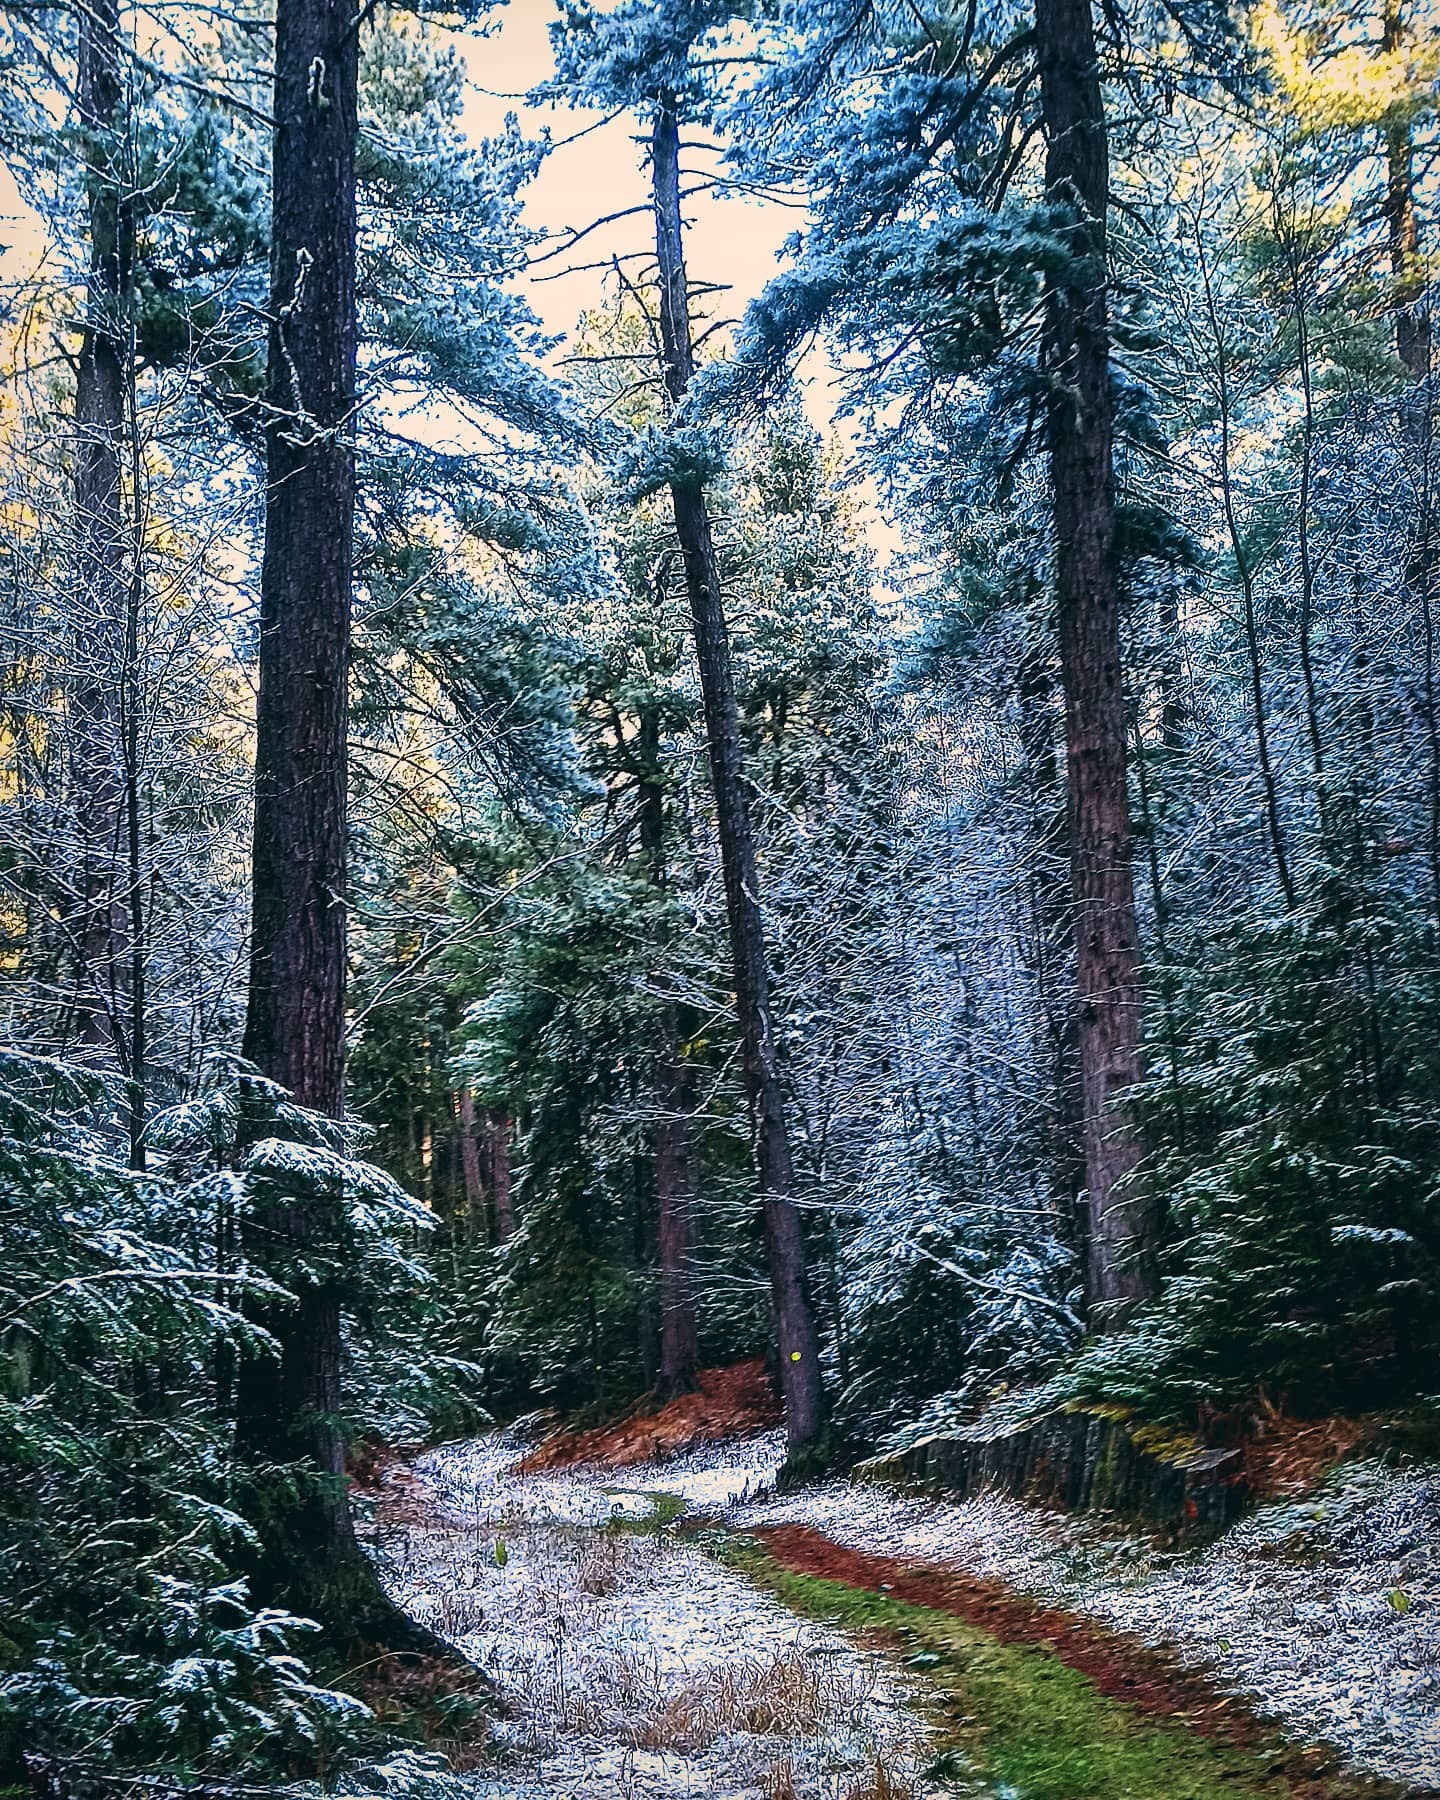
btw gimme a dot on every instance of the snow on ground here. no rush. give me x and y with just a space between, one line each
1325 1611
476 1480
636 1665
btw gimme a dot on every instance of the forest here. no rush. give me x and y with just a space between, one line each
718 718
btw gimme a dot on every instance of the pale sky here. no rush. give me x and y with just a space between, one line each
592 173
733 240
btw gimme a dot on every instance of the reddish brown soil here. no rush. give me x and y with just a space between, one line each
1141 1679
1284 1455
1121 1667
732 1402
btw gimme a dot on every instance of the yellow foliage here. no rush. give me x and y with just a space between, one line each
1333 79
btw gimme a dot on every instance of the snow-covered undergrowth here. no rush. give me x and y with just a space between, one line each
476 1481
641 1667
1325 1612
634 1664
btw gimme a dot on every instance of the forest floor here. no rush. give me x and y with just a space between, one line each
670 1628
736 1401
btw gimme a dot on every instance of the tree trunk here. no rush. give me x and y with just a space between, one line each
1413 342
671 1091
497 1129
294 1028
1076 354
1414 345
1245 570
674 1210
470 1163
796 1336
102 544
289 1408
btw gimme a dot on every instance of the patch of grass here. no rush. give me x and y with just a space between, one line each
665 1509
1019 1714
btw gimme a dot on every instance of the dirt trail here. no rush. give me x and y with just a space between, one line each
618 1609
633 1664
1119 1667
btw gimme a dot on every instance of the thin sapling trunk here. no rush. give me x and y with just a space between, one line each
796 1337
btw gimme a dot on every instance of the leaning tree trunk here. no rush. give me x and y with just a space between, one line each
102 546
289 1406
794 1319
1077 363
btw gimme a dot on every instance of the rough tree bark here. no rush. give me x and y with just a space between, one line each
1051 912
1077 365
497 1141
485 1155
294 1027
470 1163
674 1211
289 1406
794 1319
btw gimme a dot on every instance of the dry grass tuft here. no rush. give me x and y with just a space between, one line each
784 1695
602 1566
627 1696
778 1781
880 1783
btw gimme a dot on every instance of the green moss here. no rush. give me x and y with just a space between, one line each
1164 1442
665 1509
1100 1409
1020 1715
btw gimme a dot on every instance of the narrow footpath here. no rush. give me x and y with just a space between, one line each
672 1631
